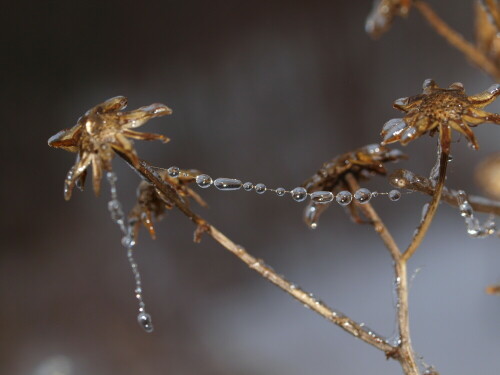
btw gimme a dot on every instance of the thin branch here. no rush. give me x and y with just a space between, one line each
444 145
405 354
457 40
358 330
405 179
376 221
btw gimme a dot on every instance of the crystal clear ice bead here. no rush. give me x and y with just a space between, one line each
322 197
173 171
299 194
344 198
363 195
247 186
394 195
204 181
260 188
280 191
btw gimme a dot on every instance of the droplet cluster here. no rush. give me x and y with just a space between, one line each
474 227
128 241
298 194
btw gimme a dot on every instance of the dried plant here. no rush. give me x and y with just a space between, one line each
103 131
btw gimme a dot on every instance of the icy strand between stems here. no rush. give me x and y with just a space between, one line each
128 241
474 227
299 194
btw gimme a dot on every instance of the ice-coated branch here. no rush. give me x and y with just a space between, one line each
148 173
439 175
405 179
404 353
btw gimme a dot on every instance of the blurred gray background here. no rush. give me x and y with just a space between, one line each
264 91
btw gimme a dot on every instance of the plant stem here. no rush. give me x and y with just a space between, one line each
442 164
148 173
457 40
404 353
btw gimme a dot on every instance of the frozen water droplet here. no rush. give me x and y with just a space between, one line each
247 186
173 171
280 191
428 83
457 86
227 184
344 198
466 209
425 208
395 124
299 194
128 241
374 148
322 197
204 181
394 195
112 178
401 101
260 188
494 89
311 215
145 322
450 158
363 195
408 134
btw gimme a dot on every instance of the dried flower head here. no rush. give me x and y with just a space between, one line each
437 107
101 131
362 163
382 15
488 29
151 204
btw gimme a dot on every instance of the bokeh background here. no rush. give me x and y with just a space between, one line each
264 91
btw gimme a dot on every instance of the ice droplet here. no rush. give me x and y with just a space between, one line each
344 198
394 195
363 195
322 197
173 171
311 215
280 191
204 181
299 194
247 186
144 320
260 188
227 184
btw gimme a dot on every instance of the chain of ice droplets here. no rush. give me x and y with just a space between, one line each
299 194
128 241
474 228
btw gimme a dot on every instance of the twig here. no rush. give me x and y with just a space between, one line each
357 330
457 40
404 353
444 146
405 179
